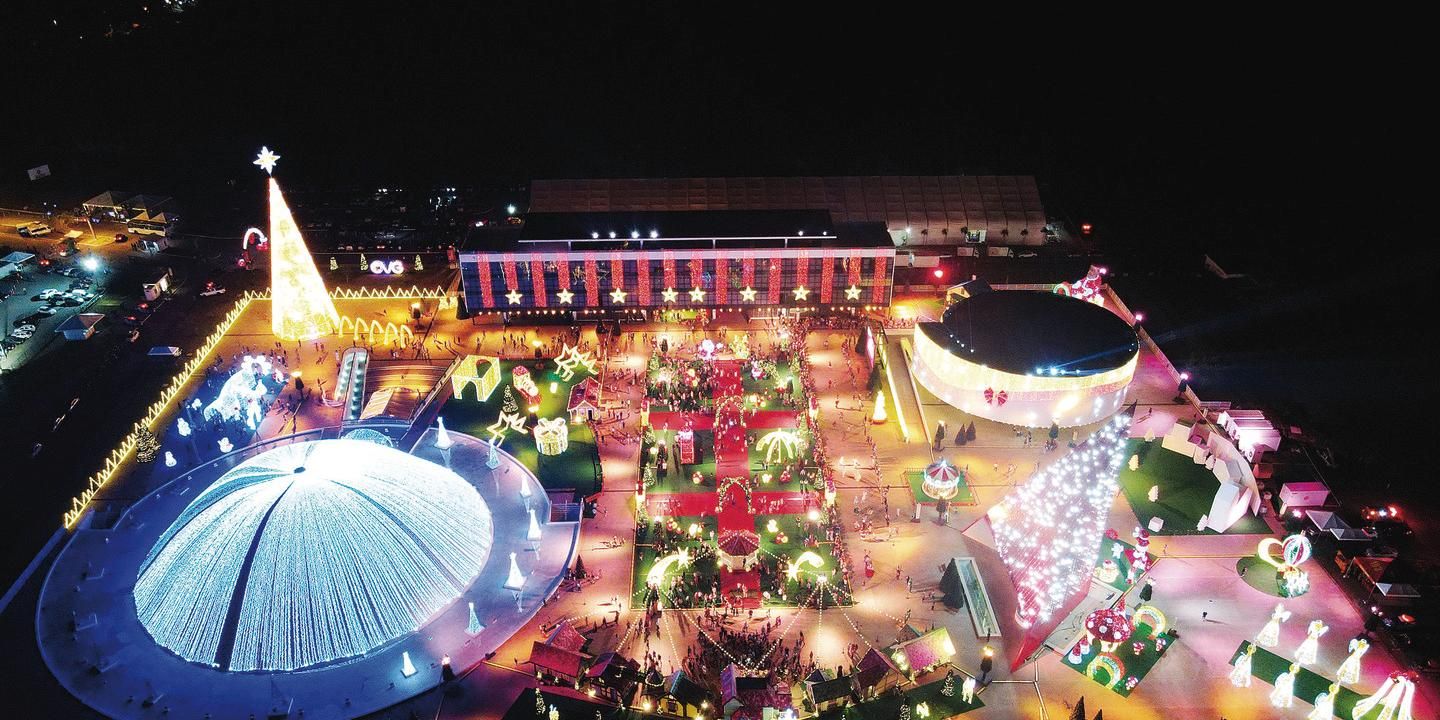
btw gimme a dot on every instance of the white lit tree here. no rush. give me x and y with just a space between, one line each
146 446
1048 530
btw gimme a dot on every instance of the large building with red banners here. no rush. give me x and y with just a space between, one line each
618 263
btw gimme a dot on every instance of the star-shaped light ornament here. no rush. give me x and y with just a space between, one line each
801 293
617 296
565 296
852 293
748 294
697 295
514 297
266 160
669 294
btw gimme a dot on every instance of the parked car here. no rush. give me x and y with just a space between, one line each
33 229
45 310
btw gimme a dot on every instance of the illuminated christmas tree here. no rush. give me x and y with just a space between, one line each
1048 531
300 308
509 406
146 446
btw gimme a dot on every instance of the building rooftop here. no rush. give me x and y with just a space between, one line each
677 230
1030 331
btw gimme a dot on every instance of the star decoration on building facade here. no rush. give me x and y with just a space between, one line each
266 160
514 297
617 296
748 294
801 293
852 293
697 295
669 294
565 296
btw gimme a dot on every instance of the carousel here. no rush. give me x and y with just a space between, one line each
739 550
942 480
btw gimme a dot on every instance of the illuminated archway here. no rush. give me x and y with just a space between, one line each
1110 664
1155 619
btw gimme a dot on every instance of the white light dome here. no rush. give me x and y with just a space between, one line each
311 553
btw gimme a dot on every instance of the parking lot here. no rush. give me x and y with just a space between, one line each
37 301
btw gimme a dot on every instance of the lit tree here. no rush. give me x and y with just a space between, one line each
1048 531
146 446
300 306
510 406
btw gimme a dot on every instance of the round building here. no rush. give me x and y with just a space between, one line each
1026 357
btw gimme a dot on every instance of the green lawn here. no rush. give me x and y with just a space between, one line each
1107 552
677 479
574 468
916 478
1260 575
887 707
1267 666
1186 491
1131 665
645 555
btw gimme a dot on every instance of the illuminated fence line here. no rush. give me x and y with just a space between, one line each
121 453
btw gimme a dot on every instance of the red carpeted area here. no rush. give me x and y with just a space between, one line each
731 459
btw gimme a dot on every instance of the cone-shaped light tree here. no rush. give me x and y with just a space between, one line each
1048 530
300 308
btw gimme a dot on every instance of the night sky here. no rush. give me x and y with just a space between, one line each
1295 152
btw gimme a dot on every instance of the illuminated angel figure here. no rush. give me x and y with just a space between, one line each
1283 696
1395 699
1270 634
1240 674
1324 704
1349 671
1305 654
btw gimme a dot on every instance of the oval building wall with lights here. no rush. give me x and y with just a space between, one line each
1029 358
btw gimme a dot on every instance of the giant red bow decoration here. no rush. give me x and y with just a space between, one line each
995 398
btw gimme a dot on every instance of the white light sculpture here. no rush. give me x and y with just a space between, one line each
1349 671
1270 634
1240 674
504 424
442 436
244 390
1048 530
407 668
354 544
656 574
1324 704
516 579
300 308
1283 694
524 487
492 459
183 427
225 445
1395 699
169 459
533 534
1305 654
780 446
552 436
474 627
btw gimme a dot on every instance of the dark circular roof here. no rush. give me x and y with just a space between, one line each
1032 331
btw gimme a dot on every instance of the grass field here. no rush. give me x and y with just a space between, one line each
1267 666
1131 665
574 468
677 479
1186 491
916 478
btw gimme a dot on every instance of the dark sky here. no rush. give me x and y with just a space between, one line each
1239 133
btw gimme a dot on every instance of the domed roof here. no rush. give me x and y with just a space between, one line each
1031 331
310 553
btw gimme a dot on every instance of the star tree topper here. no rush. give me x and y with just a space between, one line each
266 160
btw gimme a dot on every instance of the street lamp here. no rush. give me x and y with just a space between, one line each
90 263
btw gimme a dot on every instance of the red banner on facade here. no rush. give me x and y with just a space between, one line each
562 273
747 272
487 295
592 283
722 279
642 281
852 271
877 291
827 277
669 263
537 281
772 293
617 272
